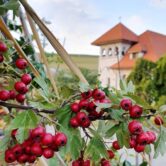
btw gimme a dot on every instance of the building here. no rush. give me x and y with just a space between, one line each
120 48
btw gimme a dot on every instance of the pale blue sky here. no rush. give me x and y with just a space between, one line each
82 21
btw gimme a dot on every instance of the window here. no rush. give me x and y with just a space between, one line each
116 51
134 55
123 51
110 51
103 53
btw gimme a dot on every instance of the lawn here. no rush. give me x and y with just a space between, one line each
83 61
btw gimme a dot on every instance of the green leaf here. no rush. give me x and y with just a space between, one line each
96 149
123 85
160 144
101 106
127 163
130 87
144 164
112 130
23 122
117 114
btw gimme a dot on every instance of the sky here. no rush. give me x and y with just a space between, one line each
80 22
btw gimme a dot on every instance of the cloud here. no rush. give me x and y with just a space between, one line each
136 23
158 3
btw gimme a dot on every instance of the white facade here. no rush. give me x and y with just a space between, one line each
109 55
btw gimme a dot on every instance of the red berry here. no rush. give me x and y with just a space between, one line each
48 153
91 106
95 114
81 117
54 147
83 104
152 136
38 132
132 143
86 123
27 150
86 95
126 104
13 133
60 139
22 159
21 63
9 156
26 79
110 154
115 145
12 94
135 111
158 120
47 139
105 162
75 107
17 150
1 58
139 148
86 163
3 47
20 98
73 122
76 163
20 87
4 95
105 100
36 150
32 159
98 94
135 127
143 138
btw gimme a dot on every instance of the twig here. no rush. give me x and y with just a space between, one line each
86 133
10 106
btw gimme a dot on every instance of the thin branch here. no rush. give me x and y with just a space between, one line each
10 106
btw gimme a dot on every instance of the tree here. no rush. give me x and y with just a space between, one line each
149 79
91 125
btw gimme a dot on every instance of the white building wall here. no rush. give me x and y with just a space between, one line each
107 75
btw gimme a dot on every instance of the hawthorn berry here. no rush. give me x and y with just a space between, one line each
27 149
105 162
20 87
132 143
12 94
139 148
110 154
86 95
17 150
86 163
135 127
32 159
86 123
115 145
21 63
22 159
158 120
38 132
37 150
60 139
143 138
75 107
48 153
98 94
81 117
126 104
26 79
135 111
76 163
152 136
13 133
83 104
73 122
9 156
3 47
20 98
47 139
4 95
91 106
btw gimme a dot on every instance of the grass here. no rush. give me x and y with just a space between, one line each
83 61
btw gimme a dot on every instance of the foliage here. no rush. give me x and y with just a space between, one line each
149 79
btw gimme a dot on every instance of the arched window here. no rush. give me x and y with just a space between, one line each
110 51
123 50
116 51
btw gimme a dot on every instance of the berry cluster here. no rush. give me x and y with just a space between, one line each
38 144
85 108
138 138
3 49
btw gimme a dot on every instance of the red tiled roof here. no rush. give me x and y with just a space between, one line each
118 33
155 45
137 48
